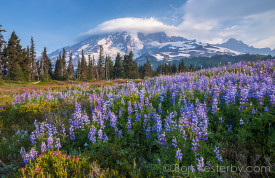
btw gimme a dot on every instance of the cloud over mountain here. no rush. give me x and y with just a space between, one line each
131 25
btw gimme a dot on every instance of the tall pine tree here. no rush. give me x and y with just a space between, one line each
13 58
118 67
64 69
34 69
90 68
181 66
83 72
2 44
78 70
108 68
148 71
44 66
71 67
58 68
100 71
26 65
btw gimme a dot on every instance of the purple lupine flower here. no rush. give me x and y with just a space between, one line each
122 101
105 138
159 161
130 109
50 142
120 134
163 141
71 132
195 144
43 147
241 122
158 124
30 156
254 111
85 144
129 124
192 169
174 142
100 134
32 138
229 127
148 130
26 158
120 112
159 109
218 155
215 106
113 120
266 109
220 120
181 130
63 130
22 151
179 154
200 164
92 134
208 163
57 144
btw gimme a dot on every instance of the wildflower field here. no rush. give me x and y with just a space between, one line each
189 124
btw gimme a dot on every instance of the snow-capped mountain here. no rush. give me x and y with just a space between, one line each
240 46
157 46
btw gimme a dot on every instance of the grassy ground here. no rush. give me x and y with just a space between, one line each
9 89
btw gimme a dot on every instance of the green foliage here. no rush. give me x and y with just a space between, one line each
118 67
57 164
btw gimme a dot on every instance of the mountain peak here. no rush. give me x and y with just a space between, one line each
158 45
240 46
233 40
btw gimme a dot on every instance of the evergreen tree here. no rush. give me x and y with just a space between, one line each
71 67
94 68
26 65
58 68
78 69
17 74
100 64
181 66
148 71
83 73
118 67
34 69
174 68
169 68
50 68
13 54
90 68
141 70
191 68
108 68
44 66
2 44
130 68
63 61
125 66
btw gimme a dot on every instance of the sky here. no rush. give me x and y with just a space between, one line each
58 23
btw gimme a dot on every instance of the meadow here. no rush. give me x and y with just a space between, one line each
212 122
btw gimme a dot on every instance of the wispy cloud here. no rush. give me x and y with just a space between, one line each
132 25
215 21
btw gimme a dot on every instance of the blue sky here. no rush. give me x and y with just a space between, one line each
58 23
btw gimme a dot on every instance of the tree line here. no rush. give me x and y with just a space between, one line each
21 64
